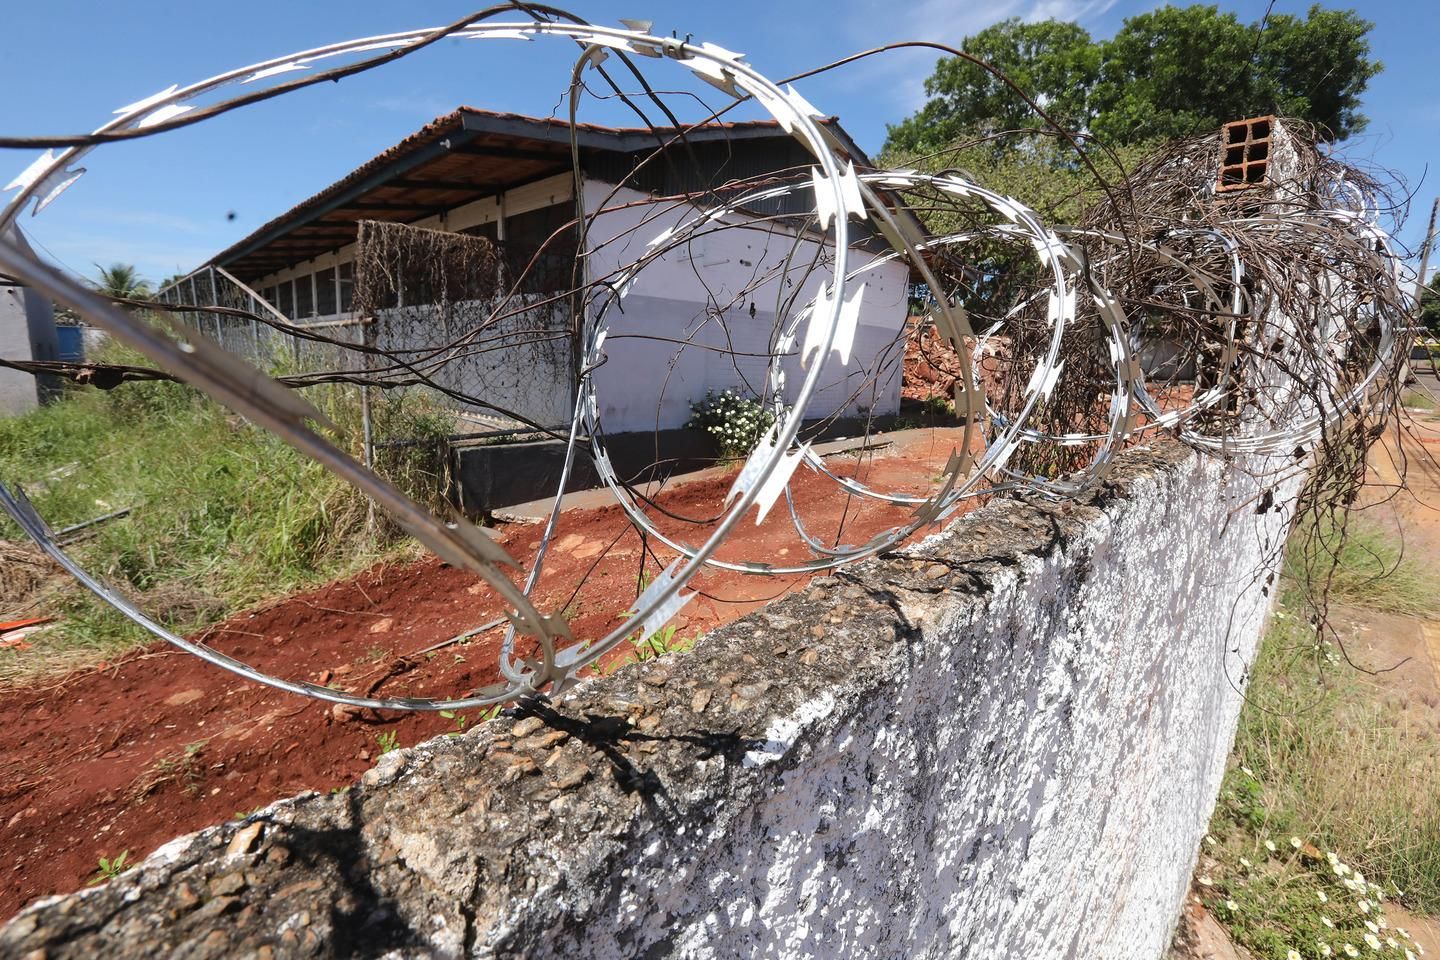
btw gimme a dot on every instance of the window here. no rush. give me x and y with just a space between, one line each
286 301
304 297
524 234
1245 153
490 231
325 292
347 287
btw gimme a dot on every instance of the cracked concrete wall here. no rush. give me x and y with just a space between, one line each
1004 741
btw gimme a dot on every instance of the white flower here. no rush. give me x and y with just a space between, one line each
1210 840
1292 954
1324 948
1372 941
1248 772
1245 863
1404 934
1270 845
1230 905
1203 881
1350 950
1370 925
1295 842
1364 906
1410 955
1392 943
1327 921
1322 896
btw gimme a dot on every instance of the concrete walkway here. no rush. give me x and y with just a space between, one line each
878 446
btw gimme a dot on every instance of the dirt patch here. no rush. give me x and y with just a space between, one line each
26 575
131 754
1199 936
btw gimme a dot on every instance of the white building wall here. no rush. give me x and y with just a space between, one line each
27 332
649 384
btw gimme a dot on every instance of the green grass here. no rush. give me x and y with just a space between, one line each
1417 400
1365 566
222 514
1322 755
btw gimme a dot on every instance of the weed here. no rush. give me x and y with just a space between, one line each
459 720
1361 565
1282 896
1327 782
238 517
661 643
389 740
110 869
184 768
938 407
1417 400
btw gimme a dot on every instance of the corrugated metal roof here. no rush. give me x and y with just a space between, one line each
499 151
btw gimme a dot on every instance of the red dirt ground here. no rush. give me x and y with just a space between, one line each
132 754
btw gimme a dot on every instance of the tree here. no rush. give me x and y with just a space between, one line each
1430 308
1167 73
1183 70
1053 62
122 282
167 281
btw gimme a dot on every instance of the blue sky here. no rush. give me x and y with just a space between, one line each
165 203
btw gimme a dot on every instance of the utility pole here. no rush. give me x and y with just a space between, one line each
1425 252
1420 290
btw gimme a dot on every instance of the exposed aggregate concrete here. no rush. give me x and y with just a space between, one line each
1003 741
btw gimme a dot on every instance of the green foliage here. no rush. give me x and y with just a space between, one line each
1281 896
1166 73
1327 808
1053 62
661 643
1430 308
1045 175
223 514
1362 566
111 868
388 741
1175 71
121 280
735 422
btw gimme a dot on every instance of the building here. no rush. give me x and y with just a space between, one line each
27 332
510 179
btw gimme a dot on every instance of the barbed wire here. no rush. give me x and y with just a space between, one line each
1265 326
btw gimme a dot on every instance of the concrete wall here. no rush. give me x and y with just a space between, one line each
649 384
27 332
1004 742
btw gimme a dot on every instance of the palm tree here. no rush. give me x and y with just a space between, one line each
173 278
121 281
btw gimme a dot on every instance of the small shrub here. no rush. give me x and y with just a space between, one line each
735 422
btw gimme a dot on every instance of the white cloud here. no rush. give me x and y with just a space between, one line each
873 22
